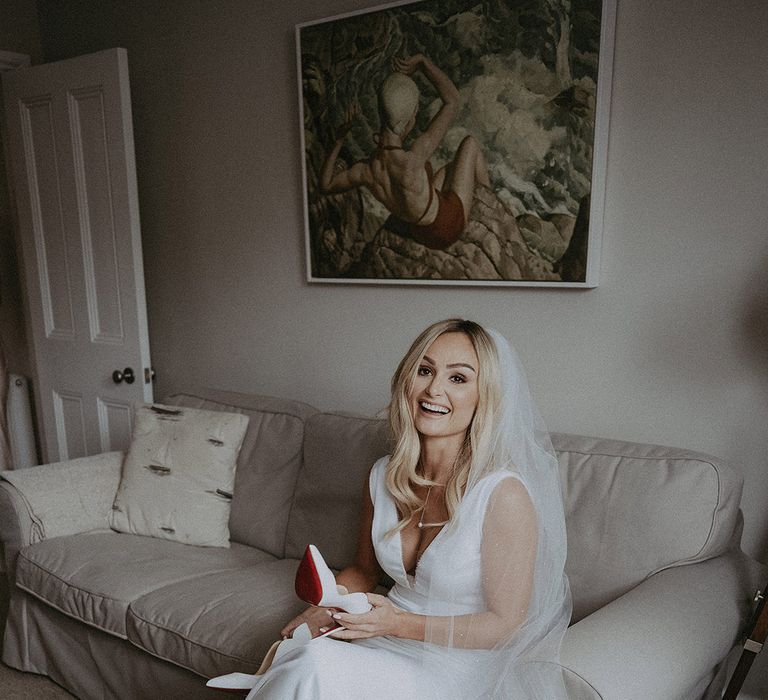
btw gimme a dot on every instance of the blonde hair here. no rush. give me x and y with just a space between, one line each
398 102
476 455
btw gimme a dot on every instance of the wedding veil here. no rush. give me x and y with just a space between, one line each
522 663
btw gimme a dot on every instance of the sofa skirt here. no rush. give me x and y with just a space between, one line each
89 663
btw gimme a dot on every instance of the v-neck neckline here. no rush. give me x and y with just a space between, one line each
423 554
414 575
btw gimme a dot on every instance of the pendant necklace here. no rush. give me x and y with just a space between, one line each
421 524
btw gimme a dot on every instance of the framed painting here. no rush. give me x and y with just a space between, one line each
456 142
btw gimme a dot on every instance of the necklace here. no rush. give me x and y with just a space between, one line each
421 524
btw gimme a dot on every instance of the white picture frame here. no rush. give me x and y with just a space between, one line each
349 241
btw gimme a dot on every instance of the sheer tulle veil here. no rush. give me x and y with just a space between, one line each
523 665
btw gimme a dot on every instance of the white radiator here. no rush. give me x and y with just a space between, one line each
20 427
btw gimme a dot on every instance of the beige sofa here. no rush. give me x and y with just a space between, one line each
660 587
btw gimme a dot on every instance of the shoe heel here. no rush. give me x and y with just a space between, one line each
316 584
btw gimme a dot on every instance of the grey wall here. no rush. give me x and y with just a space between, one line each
672 346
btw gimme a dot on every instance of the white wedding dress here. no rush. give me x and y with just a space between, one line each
447 581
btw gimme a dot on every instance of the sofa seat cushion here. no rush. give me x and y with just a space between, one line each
94 576
219 622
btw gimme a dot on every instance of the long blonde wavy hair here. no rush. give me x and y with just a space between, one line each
477 454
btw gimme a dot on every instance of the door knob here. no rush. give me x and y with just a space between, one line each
126 376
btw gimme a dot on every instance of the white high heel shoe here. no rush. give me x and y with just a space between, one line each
316 584
246 681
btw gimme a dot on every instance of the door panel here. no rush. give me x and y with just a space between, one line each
47 226
115 425
71 149
69 414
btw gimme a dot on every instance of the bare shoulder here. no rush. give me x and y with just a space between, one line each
361 172
511 496
414 159
397 156
400 169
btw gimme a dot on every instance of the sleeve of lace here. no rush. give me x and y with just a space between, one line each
510 535
508 554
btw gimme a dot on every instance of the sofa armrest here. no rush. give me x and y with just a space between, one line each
15 527
665 638
58 499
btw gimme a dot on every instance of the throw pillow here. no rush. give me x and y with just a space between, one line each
178 475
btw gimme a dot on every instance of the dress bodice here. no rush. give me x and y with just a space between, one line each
448 577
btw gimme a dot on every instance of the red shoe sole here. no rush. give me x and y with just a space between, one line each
307 584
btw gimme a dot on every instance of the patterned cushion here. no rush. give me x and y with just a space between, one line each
179 475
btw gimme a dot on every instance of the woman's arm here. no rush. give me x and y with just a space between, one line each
332 182
426 143
362 575
508 558
345 179
365 571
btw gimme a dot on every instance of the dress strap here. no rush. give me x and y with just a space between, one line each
430 177
377 480
381 147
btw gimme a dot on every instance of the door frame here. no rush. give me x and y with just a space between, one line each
10 60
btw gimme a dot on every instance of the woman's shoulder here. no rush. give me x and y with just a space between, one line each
509 498
491 481
502 487
377 476
510 487
380 464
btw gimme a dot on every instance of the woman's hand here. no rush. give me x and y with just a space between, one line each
407 65
318 619
383 619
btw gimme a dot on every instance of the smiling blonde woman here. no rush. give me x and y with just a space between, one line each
466 518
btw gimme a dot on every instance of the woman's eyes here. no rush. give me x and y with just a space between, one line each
455 378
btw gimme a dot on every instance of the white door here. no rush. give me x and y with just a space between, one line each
70 145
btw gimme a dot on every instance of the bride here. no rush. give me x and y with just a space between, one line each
466 517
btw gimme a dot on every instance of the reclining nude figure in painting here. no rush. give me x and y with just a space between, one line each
432 207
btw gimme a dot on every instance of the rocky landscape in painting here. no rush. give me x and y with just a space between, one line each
526 71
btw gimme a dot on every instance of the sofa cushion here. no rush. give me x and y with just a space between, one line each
267 466
179 475
632 510
94 576
220 622
339 451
